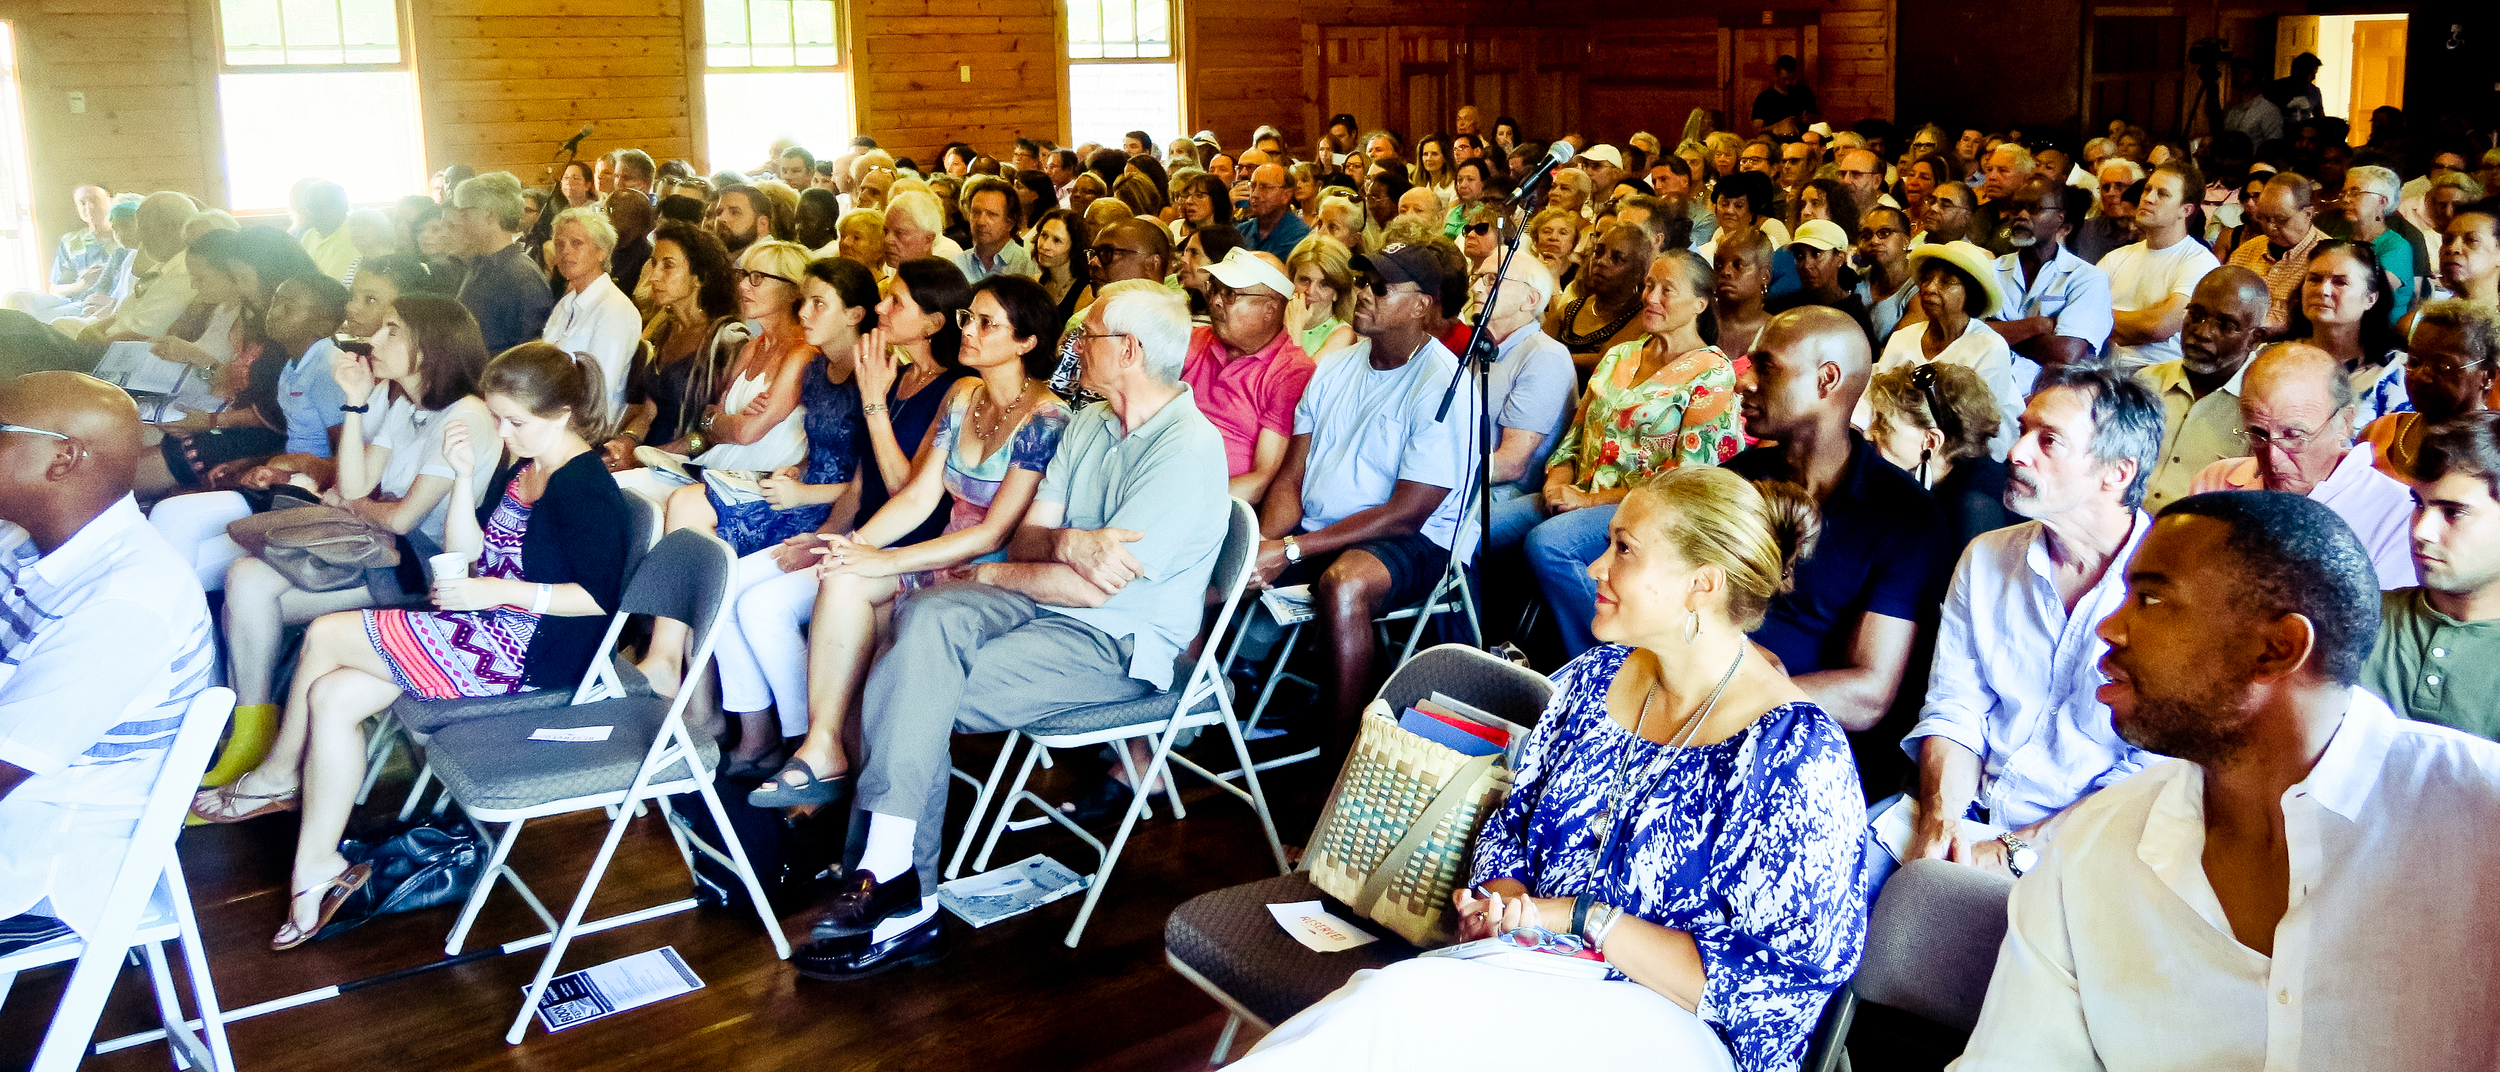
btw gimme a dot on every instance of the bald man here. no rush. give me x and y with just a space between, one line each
2200 389
2286 212
2297 409
1845 631
1273 227
104 640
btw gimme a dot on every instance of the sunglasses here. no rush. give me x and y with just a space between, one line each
750 275
1479 228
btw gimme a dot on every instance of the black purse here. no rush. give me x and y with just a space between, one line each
416 866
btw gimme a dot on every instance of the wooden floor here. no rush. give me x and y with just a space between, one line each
1007 997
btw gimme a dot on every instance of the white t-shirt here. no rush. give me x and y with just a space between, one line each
415 439
2141 277
1370 429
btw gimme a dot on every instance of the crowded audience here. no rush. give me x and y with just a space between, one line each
2082 509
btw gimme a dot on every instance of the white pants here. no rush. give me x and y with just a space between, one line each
196 525
1433 1015
762 652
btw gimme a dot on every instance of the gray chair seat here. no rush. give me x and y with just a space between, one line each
1229 937
1153 707
491 764
426 717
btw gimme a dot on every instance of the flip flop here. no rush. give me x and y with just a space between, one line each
227 801
334 893
781 792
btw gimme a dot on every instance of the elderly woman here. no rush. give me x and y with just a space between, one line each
986 456
1469 183
862 237
421 374
1682 808
2344 310
2449 374
1656 403
591 316
1340 218
1554 237
548 552
1935 421
1199 200
695 332
1321 314
1957 292
1087 189
870 191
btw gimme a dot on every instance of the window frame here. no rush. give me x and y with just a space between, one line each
1177 58
402 16
847 30
208 21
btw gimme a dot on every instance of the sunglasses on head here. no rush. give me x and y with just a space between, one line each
1948 422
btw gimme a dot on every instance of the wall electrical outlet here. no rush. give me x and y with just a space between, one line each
77 103
963 72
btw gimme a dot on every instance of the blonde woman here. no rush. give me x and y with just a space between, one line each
1321 314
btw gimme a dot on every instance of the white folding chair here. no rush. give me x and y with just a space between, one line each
1200 700
498 775
1451 594
147 906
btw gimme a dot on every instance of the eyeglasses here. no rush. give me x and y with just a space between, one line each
974 323
1226 295
1108 254
34 431
2447 368
2259 438
1882 233
1089 336
749 275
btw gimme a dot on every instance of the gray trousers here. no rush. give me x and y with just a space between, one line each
971 658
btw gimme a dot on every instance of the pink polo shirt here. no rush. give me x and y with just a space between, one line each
1249 394
2377 506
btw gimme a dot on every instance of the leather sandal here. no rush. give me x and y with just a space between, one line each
229 807
334 893
798 786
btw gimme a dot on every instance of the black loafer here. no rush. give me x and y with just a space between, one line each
921 945
825 958
860 902
1109 800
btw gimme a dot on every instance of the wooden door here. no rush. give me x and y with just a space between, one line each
1427 69
2293 35
2139 73
2378 71
1557 89
1354 75
1651 74
1498 59
1754 51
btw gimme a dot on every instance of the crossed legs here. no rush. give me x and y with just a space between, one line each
852 612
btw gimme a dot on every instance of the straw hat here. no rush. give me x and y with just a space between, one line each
1973 261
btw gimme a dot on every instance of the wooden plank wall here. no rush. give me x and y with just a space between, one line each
503 82
150 122
908 61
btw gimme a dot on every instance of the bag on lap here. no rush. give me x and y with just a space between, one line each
1394 838
317 548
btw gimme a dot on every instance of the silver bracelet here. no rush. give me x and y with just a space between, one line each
1597 934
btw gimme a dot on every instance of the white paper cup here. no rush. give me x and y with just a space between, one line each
448 565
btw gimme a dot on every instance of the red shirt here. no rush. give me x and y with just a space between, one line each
1248 394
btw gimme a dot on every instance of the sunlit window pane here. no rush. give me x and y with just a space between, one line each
253 32
746 113
1109 99
357 129
312 31
1085 29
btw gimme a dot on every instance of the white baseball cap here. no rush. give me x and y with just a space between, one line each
1821 234
1604 154
1242 269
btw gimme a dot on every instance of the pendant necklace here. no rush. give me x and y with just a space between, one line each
1618 792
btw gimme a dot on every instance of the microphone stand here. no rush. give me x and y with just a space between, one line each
1482 350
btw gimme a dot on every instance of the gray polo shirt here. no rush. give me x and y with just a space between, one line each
1167 480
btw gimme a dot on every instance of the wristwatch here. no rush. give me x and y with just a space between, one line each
2020 857
1293 549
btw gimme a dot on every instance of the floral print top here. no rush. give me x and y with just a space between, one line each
1683 414
1751 845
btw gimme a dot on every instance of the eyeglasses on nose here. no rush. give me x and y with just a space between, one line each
744 276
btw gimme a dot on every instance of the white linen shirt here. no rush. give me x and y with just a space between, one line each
2068 290
103 644
2119 956
2015 673
601 321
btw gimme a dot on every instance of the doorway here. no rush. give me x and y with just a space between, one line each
20 242
2361 62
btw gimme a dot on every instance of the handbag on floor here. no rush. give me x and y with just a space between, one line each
317 548
1394 838
417 865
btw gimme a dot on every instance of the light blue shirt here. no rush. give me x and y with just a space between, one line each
310 398
1370 429
1011 260
2068 289
1532 382
2015 674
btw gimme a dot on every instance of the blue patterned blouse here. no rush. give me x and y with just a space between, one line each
835 437
1751 845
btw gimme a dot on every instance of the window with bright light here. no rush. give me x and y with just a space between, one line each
317 89
1121 70
774 70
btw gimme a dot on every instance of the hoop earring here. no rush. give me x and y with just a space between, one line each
1692 627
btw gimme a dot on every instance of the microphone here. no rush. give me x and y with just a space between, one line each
1557 156
574 143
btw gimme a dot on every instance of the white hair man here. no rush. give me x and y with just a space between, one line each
1103 587
2296 406
504 289
913 221
1531 387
